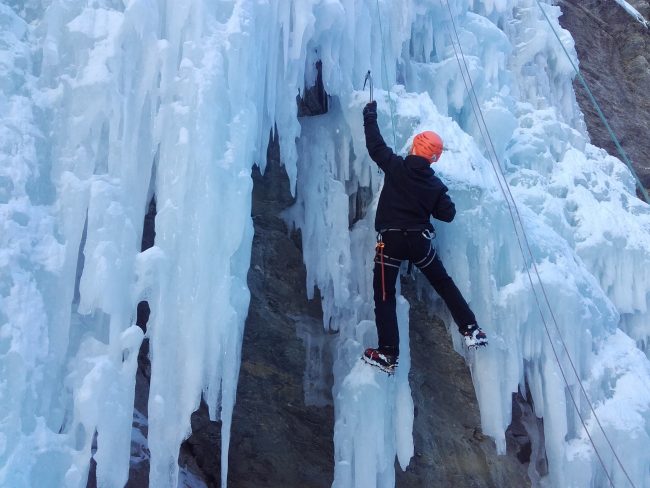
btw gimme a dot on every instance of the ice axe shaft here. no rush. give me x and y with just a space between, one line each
368 79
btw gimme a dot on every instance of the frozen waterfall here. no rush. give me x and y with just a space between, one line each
105 104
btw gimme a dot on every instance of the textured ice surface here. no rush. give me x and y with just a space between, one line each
106 103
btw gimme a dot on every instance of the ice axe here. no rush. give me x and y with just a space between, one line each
368 79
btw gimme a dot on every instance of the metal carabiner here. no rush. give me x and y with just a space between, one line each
368 78
427 234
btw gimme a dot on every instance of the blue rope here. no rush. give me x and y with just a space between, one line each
600 112
534 265
385 76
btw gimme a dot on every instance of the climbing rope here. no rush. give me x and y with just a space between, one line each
597 107
505 188
385 76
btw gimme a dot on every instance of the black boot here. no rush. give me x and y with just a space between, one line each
474 336
384 358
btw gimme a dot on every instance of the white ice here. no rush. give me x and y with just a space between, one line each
106 103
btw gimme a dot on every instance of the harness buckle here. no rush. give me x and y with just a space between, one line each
429 235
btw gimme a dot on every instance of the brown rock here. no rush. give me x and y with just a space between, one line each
614 53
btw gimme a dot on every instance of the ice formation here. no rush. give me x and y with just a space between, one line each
633 12
106 103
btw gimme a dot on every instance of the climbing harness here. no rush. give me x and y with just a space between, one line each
379 247
521 236
426 233
429 256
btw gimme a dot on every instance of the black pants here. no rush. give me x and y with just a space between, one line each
416 247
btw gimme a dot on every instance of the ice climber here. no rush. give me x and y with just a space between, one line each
412 193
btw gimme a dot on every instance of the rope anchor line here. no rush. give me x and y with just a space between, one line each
385 73
601 115
523 239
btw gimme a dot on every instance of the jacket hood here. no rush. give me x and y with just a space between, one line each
417 162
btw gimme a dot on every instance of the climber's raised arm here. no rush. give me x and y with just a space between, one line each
380 153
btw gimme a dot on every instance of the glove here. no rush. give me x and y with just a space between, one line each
370 111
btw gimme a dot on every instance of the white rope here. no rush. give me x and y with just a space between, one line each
505 188
385 73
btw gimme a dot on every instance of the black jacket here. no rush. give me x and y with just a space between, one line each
412 192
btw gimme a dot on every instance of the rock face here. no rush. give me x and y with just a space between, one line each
614 53
280 441
450 449
277 438
282 432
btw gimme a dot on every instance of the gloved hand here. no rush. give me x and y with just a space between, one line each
370 111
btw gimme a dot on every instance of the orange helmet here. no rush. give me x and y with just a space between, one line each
428 145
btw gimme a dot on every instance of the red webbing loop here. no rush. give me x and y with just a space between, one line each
380 248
